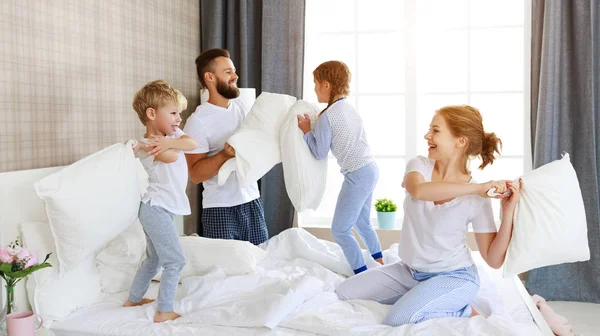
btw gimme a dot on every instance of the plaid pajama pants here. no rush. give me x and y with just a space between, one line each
241 222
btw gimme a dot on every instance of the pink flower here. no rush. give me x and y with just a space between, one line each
5 257
32 260
23 254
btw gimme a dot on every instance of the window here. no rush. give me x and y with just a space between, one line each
409 58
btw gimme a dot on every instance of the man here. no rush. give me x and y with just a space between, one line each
229 211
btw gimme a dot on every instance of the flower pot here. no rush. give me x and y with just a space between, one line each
387 220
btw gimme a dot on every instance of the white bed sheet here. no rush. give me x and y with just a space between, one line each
291 293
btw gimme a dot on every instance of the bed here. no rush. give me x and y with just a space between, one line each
291 292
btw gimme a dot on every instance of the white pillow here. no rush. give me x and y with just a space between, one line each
256 143
91 202
51 296
550 225
120 259
305 176
234 257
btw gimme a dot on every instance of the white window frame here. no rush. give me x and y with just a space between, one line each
410 95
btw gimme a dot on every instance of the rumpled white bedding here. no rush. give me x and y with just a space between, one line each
292 293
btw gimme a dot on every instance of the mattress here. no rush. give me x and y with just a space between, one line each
257 304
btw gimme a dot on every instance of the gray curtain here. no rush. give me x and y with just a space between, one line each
266 41
565 117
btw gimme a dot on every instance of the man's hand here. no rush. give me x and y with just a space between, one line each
229 151
304 123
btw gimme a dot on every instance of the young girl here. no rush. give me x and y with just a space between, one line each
437 277
340 128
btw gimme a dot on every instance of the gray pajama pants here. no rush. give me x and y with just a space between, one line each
163 250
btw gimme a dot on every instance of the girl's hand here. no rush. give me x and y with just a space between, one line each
511 201
158 145
500 186
304 123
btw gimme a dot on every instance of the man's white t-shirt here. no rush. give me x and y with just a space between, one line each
434 236
167 181
211 126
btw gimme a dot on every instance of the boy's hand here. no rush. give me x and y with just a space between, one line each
137 146
158 145
304 123
143 147
228 150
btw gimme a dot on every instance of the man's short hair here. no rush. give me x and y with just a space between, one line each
206 62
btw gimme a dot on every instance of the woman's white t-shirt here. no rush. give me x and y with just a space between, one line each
434 236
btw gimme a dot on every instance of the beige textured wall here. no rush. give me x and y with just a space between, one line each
69 70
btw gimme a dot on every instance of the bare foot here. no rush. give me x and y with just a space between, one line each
133 304
165 316
379 260
474 312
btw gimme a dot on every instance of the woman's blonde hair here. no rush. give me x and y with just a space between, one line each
337 74
466 121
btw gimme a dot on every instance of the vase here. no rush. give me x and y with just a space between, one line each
9 305
386 220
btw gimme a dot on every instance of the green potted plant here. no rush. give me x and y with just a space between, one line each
386 213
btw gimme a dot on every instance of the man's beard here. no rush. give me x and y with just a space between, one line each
226 90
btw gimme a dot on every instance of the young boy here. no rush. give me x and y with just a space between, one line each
159 106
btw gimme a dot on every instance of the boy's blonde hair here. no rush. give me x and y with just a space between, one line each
154 95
